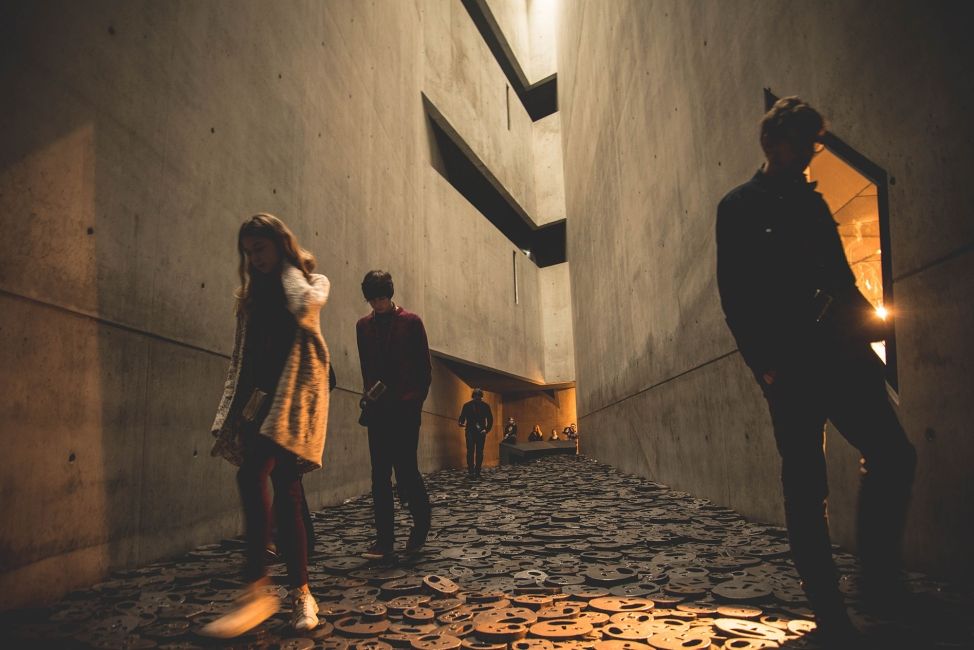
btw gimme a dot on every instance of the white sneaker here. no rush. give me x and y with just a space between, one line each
304 615
254 606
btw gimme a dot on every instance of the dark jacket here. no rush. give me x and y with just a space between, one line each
396 353
474 413
776 245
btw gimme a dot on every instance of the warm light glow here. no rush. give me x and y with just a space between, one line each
882 312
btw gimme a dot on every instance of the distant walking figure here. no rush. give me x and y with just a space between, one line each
477 420
804 329
396 376
272 417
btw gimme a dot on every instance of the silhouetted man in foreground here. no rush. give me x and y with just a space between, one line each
476 418
396 375
804 329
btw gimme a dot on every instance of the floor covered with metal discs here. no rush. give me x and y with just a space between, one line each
561 554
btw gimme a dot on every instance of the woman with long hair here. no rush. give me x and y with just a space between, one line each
535 434
272 417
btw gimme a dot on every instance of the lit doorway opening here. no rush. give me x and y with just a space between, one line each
854 202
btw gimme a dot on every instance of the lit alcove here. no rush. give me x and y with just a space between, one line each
854 202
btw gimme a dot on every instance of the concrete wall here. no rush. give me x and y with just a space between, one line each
136 137
549 172
556 317
530 27
659 107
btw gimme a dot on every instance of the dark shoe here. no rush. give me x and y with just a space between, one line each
417 539
885 598
834 629
378 552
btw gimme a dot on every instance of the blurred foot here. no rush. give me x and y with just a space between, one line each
254 606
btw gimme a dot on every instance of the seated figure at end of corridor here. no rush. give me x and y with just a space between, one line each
804 329
510 431
535 434
571 432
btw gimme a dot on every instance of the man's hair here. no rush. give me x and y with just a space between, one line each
790 118
477 392
377 284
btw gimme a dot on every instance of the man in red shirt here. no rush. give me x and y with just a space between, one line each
393 349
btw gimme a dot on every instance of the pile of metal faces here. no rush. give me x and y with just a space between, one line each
562 554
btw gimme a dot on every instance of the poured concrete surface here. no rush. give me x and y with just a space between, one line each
660 103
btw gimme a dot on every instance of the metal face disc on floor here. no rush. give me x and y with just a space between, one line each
561 630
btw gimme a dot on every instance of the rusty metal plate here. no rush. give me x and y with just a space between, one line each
750 644
473 643
610 576
413 628
401 603
515 614
436 642
633 618
418 615
616 644
742 590
296 644
561 630
749 629
532 644
561 611
680 642
459 630
358 626
442 605
532 601
371 611
502 630
369 644
615 604
458 615
739 611
440 585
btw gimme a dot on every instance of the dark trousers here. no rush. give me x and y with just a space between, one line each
264 458
393 441
848 389
475 449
